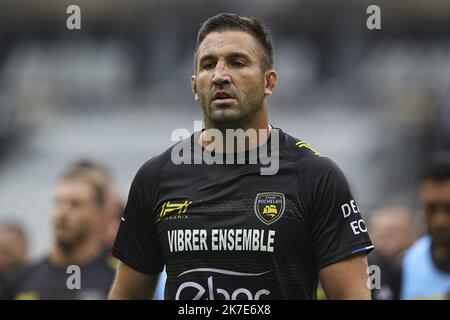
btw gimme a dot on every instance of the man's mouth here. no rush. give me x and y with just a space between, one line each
223 98
222 95
60 225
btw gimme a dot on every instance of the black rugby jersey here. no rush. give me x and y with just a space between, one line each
224 231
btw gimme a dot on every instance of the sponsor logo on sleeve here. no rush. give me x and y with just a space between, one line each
351 209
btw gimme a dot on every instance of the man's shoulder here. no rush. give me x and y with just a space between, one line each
153 166
418 251
18 274
21 277
307 158
37 268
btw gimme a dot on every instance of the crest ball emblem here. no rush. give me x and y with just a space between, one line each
269 206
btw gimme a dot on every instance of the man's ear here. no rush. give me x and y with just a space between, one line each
194 86
270 81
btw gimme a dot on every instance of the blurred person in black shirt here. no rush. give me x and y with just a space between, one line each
13 250
113 213
77 223
114 202
392 231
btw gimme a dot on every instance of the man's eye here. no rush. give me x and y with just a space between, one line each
207 65
238 64
76 204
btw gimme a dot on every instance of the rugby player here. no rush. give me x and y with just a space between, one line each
77 224
227 231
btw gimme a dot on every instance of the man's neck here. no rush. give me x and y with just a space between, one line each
79 255
260 125
208 140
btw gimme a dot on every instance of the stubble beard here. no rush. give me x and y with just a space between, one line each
236 120
67 246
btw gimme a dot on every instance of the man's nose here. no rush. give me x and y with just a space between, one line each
61 209
221 75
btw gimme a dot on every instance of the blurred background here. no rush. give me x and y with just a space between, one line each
375 101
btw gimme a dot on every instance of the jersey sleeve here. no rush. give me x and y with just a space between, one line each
137 243
336 228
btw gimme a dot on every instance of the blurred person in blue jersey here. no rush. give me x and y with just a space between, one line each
78 230
159 293
426 266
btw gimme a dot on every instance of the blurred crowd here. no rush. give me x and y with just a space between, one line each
86 216
413 252
411 256
87 212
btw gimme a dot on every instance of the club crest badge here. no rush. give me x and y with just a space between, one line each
269 206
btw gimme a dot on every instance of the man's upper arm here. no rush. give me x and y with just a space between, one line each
336 228
337 234
137 243
346 279
131 284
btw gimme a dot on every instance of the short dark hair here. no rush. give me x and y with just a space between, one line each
438 170
99 168
92 174
231 21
